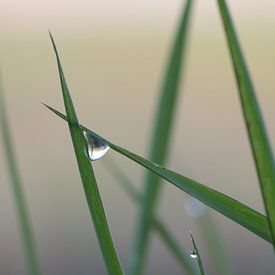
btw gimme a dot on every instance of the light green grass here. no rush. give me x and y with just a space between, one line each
20 201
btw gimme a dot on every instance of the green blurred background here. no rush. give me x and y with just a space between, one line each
113 54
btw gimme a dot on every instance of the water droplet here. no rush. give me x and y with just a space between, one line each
96 147
194 254
194 208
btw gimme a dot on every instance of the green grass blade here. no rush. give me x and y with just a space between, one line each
160 141
21 207
255 125
167 237
231 208
88 180
197 255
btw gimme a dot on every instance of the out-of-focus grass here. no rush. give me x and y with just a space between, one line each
162 128
172 244
20 202
212 237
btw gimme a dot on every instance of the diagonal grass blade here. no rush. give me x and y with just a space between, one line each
88 180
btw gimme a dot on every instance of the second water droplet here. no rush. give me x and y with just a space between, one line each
193 255
96 147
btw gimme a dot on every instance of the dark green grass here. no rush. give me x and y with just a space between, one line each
261 149
88 180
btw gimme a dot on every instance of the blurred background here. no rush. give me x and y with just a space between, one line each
113 54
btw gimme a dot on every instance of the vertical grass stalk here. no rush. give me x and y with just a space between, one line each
20 202
88 180
160 142
261 149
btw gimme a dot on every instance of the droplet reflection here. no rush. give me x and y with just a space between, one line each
96 147
193 255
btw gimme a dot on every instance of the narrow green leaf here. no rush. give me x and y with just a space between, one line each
196 255
160 141
21 207
167 237
231 208
254 122
88 180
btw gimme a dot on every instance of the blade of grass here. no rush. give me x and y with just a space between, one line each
254 122
160 141
20 201
231 208
167 237
197 255
88 180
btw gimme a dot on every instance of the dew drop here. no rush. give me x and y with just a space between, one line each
193 255
96 147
